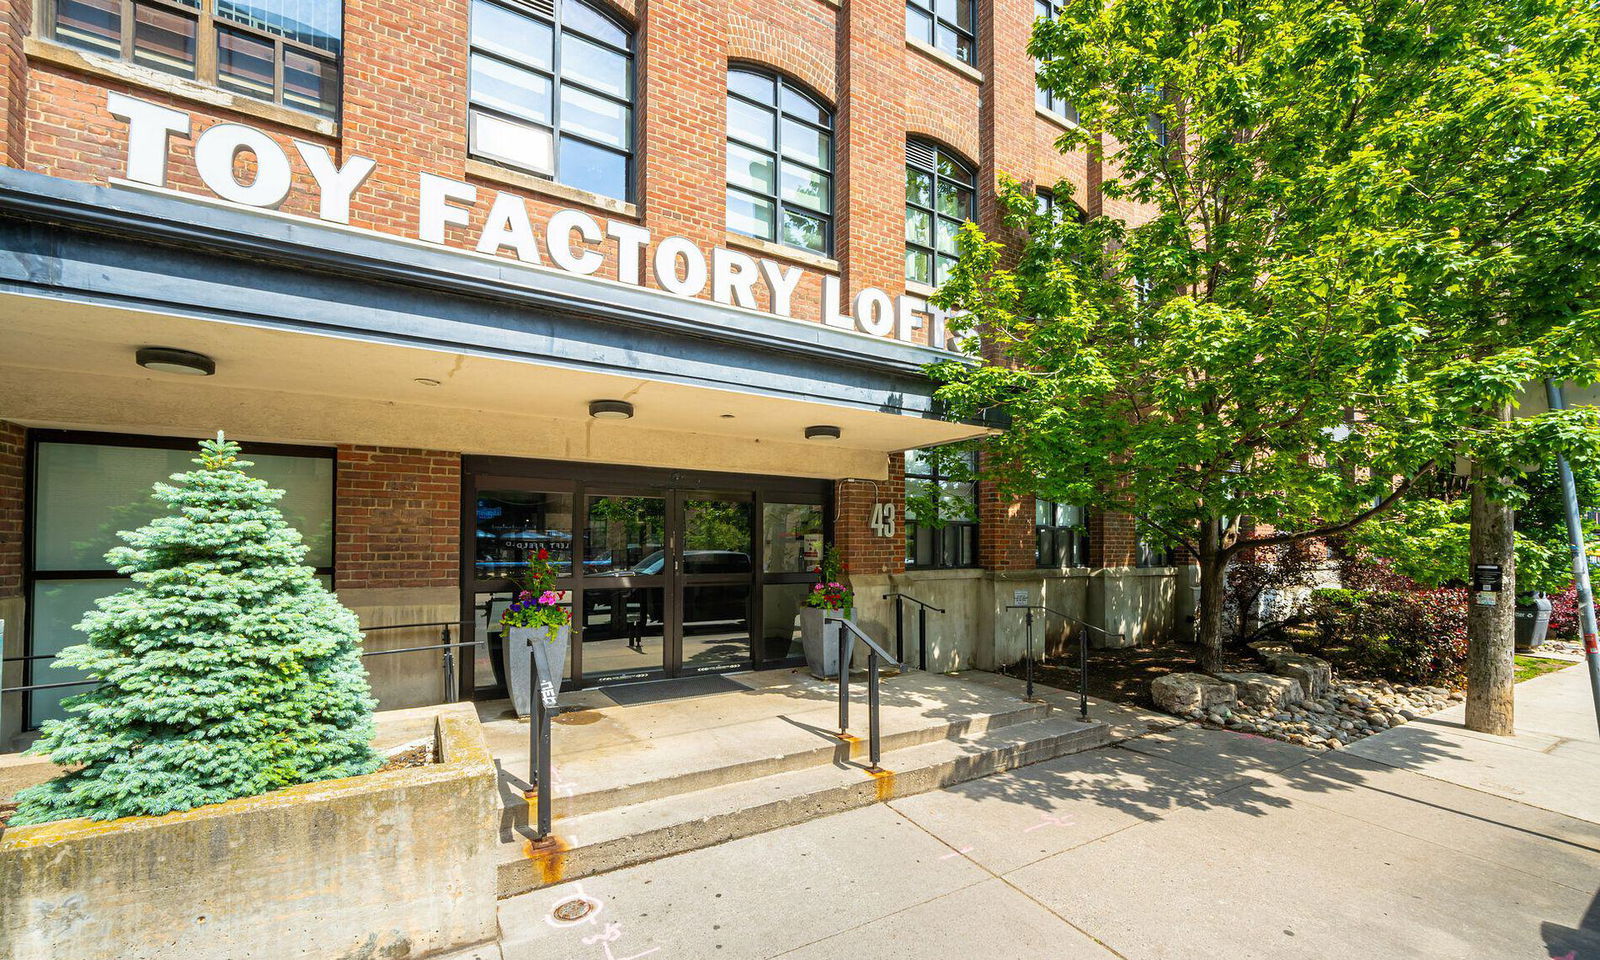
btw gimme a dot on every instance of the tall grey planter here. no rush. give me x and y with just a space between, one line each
518 651
820 640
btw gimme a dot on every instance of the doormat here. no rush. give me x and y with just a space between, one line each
654 691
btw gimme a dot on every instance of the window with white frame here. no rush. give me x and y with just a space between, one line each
551 92
780 161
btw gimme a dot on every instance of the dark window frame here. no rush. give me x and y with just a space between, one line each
31 575
1073 535
209 27
936 153
950 538
555 18
1047 100
781 84
931 36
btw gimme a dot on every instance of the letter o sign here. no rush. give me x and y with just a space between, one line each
214 154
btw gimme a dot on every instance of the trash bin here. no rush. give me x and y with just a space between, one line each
1533 621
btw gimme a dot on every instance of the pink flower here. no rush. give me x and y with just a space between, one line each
549 598
817 587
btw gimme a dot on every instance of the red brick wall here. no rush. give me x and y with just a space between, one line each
1113 540
398 516
12 457
863 551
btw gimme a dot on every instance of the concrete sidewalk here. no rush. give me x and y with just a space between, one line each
1186 843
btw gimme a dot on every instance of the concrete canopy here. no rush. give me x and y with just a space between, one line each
322 334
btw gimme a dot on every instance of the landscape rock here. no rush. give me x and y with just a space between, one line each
1315 674
1271 650
1186 693
1265 690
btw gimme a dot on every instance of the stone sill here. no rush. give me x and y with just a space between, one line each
920 289
105 68
549 188
940 57
780 252
1057 119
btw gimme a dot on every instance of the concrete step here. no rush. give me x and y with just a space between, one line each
614 776
610 839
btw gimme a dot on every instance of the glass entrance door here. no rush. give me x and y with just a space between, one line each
666 574
716 582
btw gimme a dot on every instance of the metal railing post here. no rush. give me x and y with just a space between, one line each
900 628
1083 674
449 665
844 684
922 638
535 760
539 747
872 705
1028 617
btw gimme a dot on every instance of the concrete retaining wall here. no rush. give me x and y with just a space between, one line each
1145 605
393 865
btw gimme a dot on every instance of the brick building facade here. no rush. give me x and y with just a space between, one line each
446 328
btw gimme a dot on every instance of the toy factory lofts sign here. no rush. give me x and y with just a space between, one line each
677 264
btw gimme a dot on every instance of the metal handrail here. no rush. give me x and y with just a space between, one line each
922 626
448 646
875 653
1083 651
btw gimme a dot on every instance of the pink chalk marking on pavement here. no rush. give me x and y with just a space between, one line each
958 853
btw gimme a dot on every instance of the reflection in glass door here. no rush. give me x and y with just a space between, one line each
625 575
716 574
511 520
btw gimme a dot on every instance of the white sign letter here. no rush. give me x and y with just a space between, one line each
733 278
781 284
631 241
214 155
335 185
874 312
508 226
149 126
440 199
693 280
830 304
906 319
558 237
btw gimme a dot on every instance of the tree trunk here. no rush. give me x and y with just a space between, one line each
1491 627
1209 614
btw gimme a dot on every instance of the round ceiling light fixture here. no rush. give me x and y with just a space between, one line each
172 360
822 432
611 409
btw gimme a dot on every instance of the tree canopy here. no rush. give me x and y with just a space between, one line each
1367 228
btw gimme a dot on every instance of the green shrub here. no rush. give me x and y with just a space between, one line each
226 669
1417 636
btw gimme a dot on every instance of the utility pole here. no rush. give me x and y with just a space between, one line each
1580 560
1491 623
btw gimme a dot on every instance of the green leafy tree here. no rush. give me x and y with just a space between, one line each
1343 274
1426 539
226 669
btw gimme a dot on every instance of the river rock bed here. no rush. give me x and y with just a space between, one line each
1348 712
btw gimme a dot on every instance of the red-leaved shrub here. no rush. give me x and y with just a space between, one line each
1404 636
1564 623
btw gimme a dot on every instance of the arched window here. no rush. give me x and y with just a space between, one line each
780 162
940 197
551 91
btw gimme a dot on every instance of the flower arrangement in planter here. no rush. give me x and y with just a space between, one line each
829 595
536 616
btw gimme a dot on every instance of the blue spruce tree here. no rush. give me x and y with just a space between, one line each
226 669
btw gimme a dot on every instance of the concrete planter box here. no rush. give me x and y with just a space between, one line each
518 652
820 641
394 865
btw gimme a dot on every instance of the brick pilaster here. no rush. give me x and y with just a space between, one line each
398 518
13 451
865 552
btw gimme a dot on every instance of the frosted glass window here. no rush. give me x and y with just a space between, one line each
85 493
